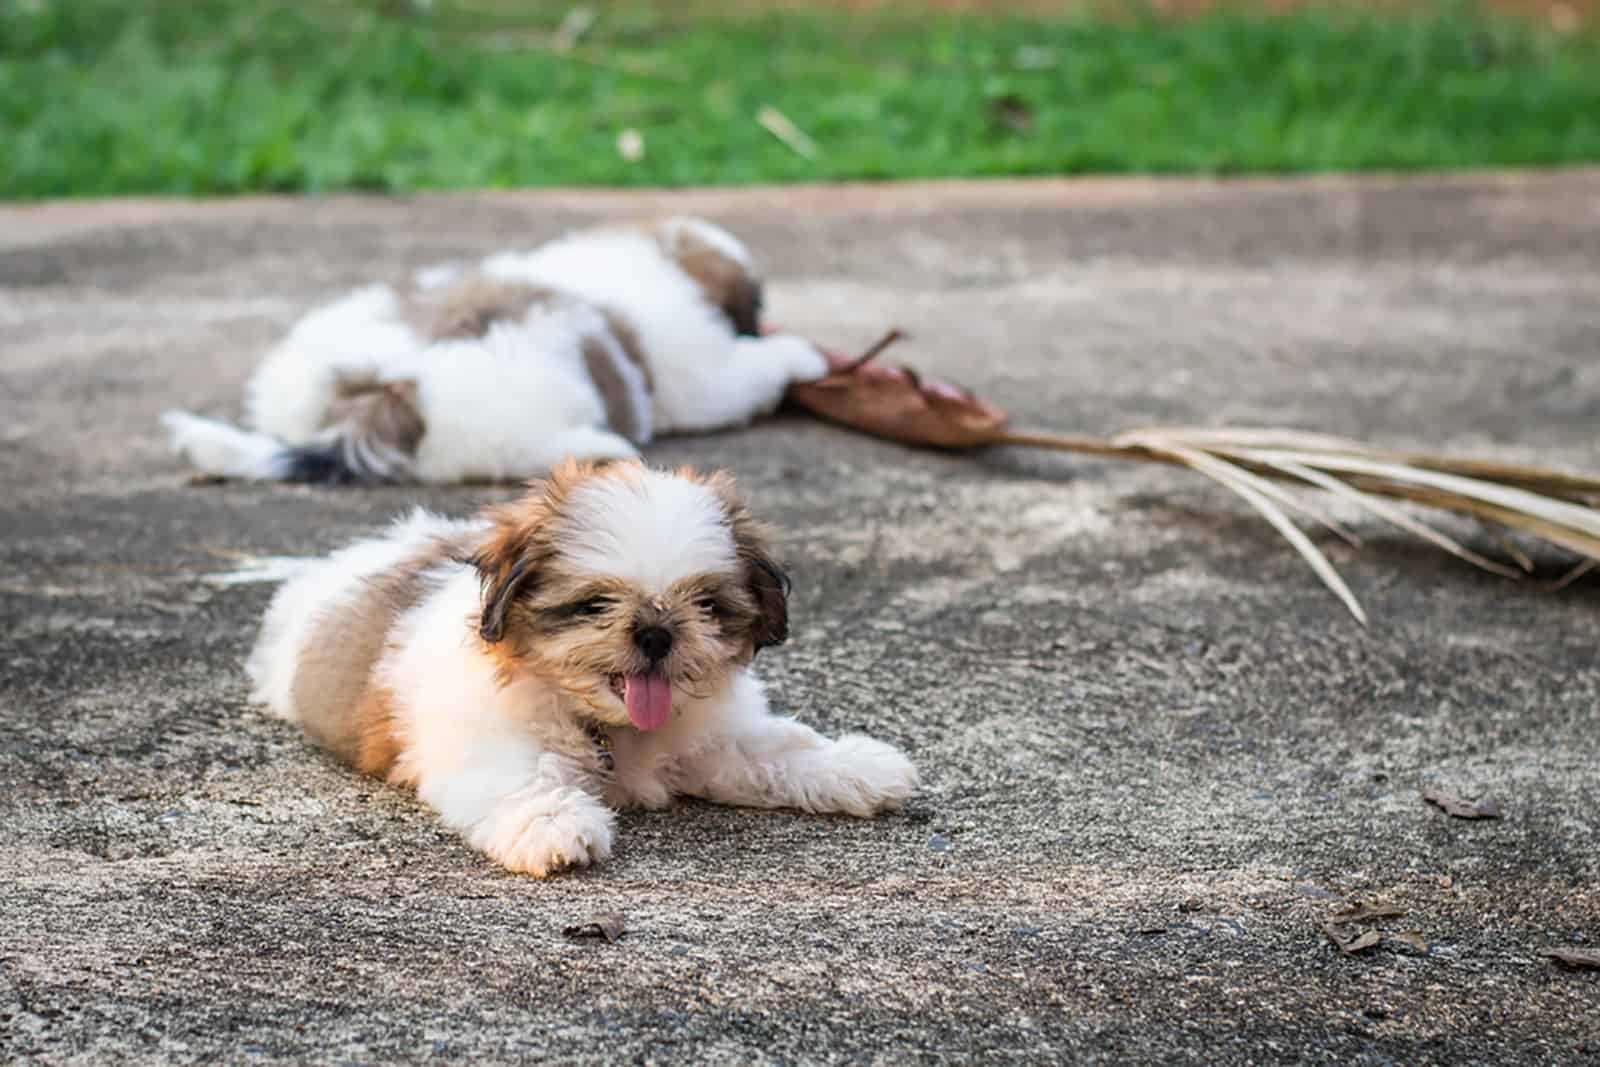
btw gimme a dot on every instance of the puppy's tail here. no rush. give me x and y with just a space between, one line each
225 451
373 441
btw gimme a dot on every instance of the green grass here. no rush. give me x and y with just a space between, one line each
227 96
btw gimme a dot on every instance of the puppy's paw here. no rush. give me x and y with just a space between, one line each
542 835
804 361
643 794
864 776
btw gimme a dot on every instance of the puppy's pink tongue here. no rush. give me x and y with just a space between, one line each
649 699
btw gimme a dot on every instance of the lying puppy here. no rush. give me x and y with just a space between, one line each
582 650
586 347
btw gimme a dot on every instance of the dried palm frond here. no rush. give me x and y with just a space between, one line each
1261 466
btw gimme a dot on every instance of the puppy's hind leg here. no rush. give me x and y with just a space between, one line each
763 761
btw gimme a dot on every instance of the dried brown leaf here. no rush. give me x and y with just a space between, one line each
1574 957
1349 941
1359 911
1369 939
1455 807
895 403
608 925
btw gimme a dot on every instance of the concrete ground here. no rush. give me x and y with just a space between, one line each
1157 752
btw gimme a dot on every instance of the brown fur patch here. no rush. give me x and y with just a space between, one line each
377 740
332 685
466 308
627 409
766 582
726 282
383 420
628 338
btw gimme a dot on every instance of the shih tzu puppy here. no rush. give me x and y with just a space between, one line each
583 650
586 347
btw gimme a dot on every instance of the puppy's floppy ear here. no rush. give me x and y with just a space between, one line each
502 584
769 586
743 303
715 260
516 545
766 582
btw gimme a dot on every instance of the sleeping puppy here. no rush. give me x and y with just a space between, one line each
586 347
583 650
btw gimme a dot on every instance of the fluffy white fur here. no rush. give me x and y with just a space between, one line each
511 762
317 587
514 402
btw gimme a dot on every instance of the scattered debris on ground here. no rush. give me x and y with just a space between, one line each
608 925
1344 927
1457 808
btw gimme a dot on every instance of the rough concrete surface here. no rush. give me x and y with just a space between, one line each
1157 753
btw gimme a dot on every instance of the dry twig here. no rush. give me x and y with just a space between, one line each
1263 467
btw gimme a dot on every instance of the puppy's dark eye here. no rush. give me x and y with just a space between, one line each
709 605
595 605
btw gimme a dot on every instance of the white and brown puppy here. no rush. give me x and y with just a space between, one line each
584 650
586 347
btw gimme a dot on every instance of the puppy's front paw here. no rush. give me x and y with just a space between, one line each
542 835
866 776
804 361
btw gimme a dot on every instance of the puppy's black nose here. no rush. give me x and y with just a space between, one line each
653 641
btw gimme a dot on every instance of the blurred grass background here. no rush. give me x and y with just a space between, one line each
227 96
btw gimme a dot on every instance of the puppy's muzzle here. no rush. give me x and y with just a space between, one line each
654 641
